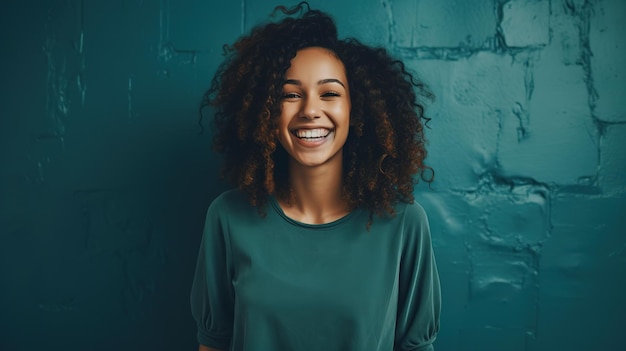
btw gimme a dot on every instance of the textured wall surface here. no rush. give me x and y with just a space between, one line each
104 178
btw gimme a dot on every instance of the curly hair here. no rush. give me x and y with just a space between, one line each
385 148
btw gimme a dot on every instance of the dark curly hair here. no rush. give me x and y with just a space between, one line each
385 148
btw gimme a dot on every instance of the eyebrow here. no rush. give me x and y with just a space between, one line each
320 82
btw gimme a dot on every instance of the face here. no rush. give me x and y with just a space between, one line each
315 108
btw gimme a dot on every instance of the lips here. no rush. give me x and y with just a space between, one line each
311 134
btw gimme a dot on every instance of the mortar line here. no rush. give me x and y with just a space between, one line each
243 16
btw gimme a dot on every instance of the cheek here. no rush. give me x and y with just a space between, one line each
342 114
283 127
286 111
283 130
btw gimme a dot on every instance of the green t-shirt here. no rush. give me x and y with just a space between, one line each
273 283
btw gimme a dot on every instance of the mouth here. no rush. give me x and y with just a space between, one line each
315 134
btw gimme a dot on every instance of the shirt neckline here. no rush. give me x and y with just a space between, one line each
323 226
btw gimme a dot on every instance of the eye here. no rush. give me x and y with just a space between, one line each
291 95
331 94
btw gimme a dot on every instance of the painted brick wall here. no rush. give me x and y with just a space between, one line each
104 178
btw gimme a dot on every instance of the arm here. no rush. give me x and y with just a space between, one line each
419 296
211 292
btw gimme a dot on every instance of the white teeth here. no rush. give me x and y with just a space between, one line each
312 133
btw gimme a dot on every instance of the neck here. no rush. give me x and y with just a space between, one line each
316 193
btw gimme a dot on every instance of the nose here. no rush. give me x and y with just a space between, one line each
311 108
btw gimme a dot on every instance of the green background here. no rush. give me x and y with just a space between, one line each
105 178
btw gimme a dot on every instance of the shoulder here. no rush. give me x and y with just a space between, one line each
411 213
232 196
410 220
230 201
230 211
414 222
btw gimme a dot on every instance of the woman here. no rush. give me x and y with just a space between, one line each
321 246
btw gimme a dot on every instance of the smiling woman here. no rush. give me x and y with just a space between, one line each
313 128
315 109
322 245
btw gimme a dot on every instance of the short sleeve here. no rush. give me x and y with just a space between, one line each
211 292
419 296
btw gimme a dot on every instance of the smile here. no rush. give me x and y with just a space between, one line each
311 134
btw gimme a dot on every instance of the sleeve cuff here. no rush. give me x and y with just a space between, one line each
213 340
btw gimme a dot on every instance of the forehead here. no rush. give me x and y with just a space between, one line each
315 61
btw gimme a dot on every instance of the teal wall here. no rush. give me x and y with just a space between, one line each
104 178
